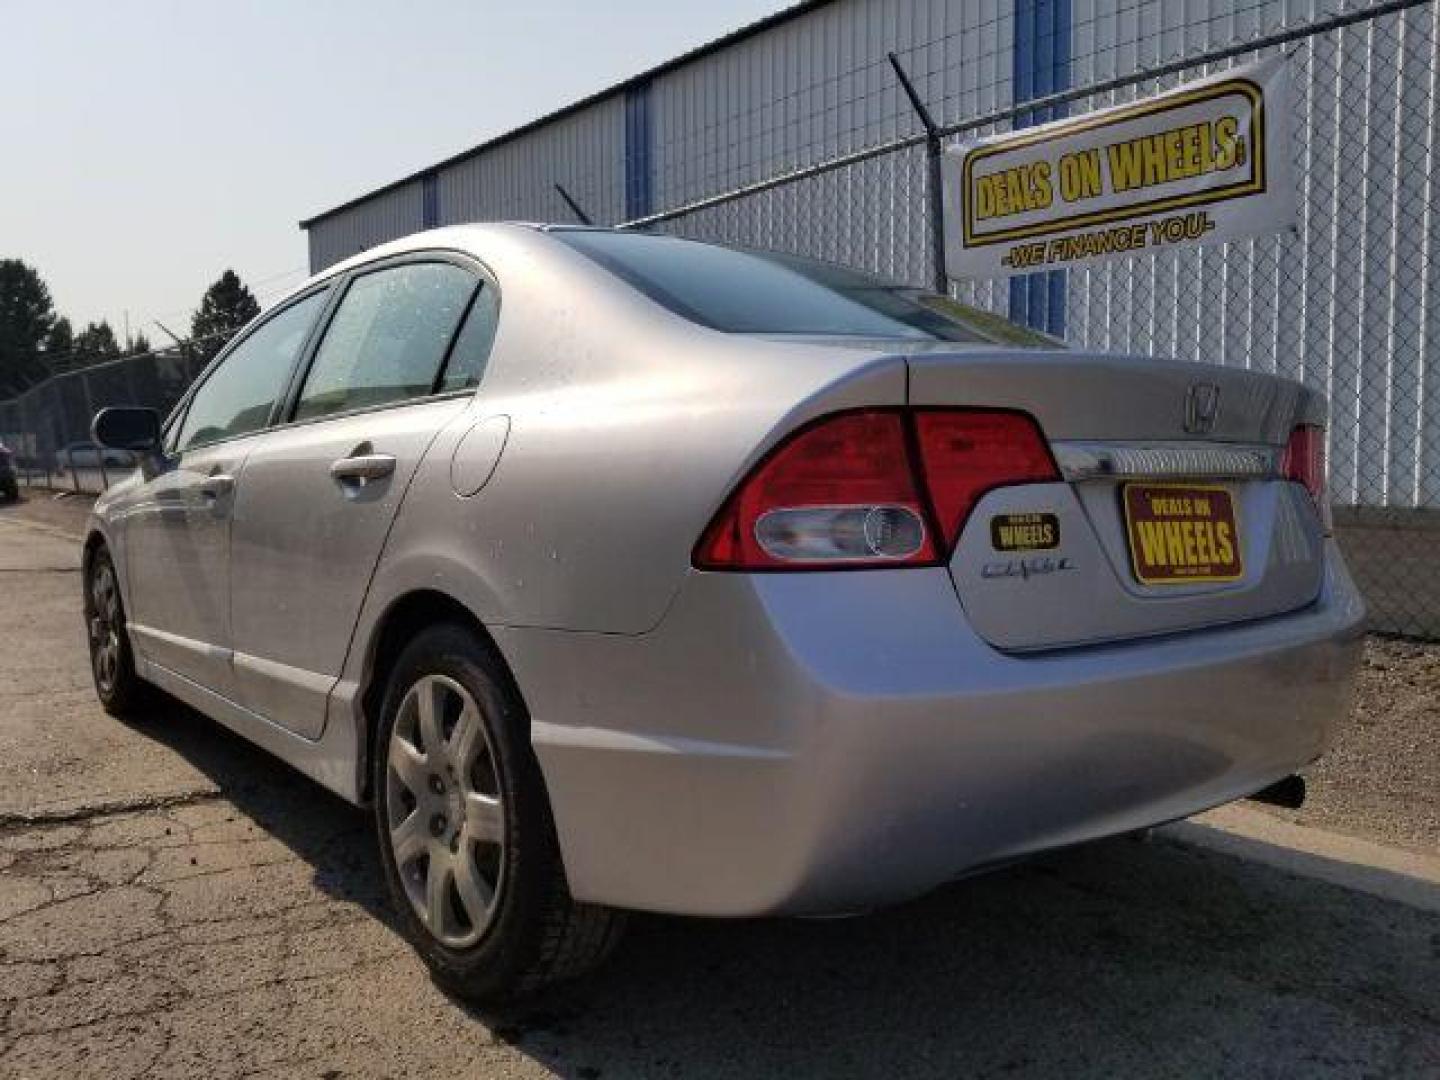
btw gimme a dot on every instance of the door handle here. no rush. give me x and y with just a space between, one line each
216 485
362 467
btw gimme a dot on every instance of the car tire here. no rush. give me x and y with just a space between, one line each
11 492
112 663
466 838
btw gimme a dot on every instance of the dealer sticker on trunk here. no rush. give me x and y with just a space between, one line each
1182 534
1024 532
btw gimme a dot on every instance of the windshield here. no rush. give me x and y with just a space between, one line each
746 291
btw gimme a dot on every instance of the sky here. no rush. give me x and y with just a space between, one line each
147 146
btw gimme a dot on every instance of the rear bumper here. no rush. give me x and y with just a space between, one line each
817 743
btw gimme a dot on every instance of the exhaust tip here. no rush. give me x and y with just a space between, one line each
1289 793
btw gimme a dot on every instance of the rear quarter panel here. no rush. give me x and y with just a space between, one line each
627 428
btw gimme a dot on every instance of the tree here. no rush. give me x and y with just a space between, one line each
226 306
60 346
95 345
137 344
26 317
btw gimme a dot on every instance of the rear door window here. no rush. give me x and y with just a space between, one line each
387 339
471 351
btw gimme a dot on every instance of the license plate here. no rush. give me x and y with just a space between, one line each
1182 534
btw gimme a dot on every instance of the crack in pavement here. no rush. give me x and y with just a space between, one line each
10 819
112 948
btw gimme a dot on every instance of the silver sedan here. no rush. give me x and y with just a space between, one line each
617 571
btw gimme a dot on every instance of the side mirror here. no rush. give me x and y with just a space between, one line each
127 427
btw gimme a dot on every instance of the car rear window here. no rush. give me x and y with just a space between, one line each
746 291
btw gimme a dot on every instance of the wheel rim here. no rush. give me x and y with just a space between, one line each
104 625
445 811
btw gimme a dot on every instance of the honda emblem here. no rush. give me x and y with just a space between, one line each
1202 406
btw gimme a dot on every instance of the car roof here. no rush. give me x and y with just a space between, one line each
472 237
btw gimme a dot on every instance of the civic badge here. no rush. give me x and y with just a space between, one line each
1202 406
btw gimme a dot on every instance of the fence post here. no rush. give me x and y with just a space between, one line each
934 184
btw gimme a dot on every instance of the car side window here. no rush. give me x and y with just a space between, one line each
387 338
471 351
236 398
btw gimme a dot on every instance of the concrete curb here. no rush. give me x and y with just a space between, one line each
1406 877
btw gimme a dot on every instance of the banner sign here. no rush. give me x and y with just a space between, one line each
1202 164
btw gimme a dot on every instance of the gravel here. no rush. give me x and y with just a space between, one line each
1381 777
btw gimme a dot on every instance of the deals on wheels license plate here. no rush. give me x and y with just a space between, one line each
1182 534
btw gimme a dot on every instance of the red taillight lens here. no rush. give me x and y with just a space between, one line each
1304 463
839 492
848 492
965 453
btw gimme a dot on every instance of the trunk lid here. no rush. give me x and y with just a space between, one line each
1170 514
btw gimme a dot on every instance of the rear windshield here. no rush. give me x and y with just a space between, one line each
745 291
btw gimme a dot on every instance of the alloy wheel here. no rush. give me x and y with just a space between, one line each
104 626
446 811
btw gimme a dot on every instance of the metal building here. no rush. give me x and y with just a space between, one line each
1350 302
798 87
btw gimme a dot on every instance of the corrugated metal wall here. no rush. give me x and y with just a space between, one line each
513 181
1349 303
818 86
584 152
388 215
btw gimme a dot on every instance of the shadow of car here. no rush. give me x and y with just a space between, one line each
1117 958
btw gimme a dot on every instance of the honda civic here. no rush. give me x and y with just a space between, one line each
617 571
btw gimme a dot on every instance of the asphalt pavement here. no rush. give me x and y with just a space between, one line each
174 902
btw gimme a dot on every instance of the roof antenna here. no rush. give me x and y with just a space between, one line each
574 206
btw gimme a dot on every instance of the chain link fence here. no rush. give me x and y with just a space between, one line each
47 428
1348 302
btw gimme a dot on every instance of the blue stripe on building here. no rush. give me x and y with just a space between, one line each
1041 66
639 160
429 201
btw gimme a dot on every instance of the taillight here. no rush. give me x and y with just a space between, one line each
1304 463
840 492
849 492
966 453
